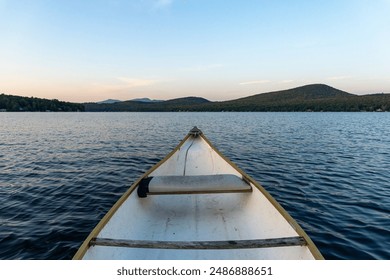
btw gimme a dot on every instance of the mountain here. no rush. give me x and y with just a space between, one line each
314 97
303 98
185 101
146 99
308 92
109 101
178 104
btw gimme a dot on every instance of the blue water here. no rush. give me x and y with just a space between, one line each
61 172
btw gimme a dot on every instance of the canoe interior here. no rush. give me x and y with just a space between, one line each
197 217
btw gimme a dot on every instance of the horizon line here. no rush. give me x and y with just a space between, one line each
197 96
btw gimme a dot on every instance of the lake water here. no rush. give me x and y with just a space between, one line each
61 172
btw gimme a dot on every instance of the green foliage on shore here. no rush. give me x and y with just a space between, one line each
316 98
174 105
12 103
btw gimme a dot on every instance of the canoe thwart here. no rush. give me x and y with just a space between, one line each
192 184
196 245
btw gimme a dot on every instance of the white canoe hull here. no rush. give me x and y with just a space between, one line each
147 227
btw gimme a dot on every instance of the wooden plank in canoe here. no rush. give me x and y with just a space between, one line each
197 245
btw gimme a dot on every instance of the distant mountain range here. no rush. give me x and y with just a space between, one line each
109 101
178 104
145 99
314 97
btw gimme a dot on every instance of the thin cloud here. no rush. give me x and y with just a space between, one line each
136 82
254 82
335 78
125 83
163 3
201 68
286 81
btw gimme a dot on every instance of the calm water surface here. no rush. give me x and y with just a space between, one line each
61 172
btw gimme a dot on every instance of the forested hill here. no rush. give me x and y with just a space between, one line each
12 103
173 105
315 97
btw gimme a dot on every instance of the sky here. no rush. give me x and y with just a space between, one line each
93 50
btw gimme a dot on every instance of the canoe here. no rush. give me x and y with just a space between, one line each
197 204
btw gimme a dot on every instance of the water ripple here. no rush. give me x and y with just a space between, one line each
61 172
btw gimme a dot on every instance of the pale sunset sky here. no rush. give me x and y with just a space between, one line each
92 50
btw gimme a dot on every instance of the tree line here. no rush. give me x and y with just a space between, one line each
12 103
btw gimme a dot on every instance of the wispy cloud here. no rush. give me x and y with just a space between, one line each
162 3
125 83
254 82
335 78
201 68
286 81
135 82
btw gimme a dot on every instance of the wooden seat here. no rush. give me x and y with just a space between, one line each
221 183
